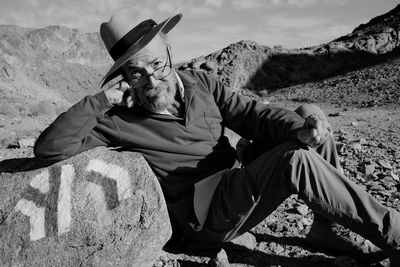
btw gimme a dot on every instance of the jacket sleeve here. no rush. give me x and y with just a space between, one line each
252 119
84 126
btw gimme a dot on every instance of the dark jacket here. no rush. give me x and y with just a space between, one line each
181 151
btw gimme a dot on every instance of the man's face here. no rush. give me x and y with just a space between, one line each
155 92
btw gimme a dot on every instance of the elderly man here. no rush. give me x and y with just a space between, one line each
177 120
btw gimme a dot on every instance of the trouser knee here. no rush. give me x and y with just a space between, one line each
306 110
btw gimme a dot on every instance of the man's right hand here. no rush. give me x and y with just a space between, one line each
120 94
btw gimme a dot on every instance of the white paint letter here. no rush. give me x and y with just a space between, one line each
41 182
64 198
36 217
114 172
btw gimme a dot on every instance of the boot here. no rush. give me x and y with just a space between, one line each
331 237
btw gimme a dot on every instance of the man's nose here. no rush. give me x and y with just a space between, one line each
152 82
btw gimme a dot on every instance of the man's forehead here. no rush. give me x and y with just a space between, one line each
144 58
155 49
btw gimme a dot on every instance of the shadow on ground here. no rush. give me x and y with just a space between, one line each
238 254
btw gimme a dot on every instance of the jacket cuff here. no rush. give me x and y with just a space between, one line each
103 104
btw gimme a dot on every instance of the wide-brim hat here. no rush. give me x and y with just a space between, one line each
124 37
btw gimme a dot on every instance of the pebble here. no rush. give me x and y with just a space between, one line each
394 176
306 221
336 114
356 146
385 164
246 240
24 143
369 169
220 260
302 209
276 248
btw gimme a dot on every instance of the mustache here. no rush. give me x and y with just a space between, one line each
154 91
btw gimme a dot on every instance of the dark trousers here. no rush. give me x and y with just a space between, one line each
246 196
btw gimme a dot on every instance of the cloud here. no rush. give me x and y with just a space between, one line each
85 15
301 3
283 22
229 29
255 4
213 3
247 4
202 11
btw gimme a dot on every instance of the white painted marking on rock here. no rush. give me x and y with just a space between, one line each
41 182
64 199
115 172
36 217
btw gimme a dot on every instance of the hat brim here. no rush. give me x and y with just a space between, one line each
164 26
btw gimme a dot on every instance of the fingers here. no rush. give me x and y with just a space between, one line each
123 86
309 137
120 94
316 133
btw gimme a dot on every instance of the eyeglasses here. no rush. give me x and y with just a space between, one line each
159 73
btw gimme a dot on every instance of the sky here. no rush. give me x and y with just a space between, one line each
209 25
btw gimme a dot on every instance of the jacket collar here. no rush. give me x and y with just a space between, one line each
186 78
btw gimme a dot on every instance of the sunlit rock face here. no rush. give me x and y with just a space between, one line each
99 208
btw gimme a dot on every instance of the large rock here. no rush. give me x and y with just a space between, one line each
100 208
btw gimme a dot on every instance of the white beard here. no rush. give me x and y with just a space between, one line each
160 98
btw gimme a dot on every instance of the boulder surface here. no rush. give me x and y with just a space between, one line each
99 208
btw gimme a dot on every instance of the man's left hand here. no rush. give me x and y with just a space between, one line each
316 131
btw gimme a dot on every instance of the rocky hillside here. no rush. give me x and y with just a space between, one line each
256 67
54 64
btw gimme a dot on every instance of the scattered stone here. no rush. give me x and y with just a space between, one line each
385 164
276 248
354 123
336 114
24 143
246 240
341 148
394 176
369 169
372 176
363 141
302 209
356 146
210 66
220 260
306 221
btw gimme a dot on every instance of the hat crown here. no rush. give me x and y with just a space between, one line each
119 25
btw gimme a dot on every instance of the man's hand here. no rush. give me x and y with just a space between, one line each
316 132
120 94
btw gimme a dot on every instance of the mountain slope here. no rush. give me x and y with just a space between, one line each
249 65
54 63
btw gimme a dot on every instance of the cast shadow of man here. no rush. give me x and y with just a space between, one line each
15 165
239 254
